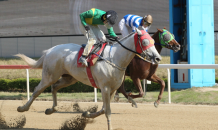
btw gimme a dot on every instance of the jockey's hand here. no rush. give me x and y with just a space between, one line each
117 38
87 28
112 38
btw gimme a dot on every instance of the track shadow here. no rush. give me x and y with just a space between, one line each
59 112
34 129
69 112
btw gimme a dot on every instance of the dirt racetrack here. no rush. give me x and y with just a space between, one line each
145 117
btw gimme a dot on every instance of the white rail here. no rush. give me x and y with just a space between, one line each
184 66
188 66
167 66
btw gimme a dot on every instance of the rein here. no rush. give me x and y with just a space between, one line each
138 54
126 47
130 49
118 67
111 63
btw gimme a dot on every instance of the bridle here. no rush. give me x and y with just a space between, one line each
162 40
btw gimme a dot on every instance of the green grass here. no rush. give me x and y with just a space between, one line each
187 96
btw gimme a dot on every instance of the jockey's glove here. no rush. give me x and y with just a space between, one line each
87 28
117 38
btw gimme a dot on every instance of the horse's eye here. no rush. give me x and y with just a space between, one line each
145 42
166 37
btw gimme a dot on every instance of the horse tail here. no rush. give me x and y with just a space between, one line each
31 62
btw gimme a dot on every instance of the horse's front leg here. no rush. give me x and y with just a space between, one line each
65 81
156 79
138 85
106 96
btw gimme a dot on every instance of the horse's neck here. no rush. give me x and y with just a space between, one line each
157 40
121 56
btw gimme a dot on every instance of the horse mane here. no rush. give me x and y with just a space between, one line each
124 38
155 34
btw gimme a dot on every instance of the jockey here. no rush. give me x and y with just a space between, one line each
130 22
89 26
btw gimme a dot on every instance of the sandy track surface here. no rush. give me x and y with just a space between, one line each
146 116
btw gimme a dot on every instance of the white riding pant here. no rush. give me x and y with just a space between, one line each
95 35
124 29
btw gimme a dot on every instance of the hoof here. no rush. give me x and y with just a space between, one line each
134 105
86 114
21 109
116 98
156 104
49 111
133 102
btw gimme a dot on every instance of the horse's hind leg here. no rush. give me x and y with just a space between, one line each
65 81
47 80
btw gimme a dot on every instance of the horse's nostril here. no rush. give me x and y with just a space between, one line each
158 59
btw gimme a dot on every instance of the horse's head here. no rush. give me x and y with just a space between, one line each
145 46
167 40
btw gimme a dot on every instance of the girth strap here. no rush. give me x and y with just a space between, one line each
89 73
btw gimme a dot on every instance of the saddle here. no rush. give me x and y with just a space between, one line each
96 51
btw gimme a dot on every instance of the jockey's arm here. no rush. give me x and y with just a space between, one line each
87 14
133 28
146 28
111 32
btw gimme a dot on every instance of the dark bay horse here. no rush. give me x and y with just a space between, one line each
139 69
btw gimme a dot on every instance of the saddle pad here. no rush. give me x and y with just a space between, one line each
92 58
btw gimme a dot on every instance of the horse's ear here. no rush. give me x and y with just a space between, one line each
138 31
160 30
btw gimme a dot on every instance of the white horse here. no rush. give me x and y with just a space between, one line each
61 61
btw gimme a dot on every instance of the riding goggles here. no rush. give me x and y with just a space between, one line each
146 23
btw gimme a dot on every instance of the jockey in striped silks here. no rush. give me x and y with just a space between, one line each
130 22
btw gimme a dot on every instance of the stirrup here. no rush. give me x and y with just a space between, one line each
82 60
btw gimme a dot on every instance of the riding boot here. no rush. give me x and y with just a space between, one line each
86 51
82 60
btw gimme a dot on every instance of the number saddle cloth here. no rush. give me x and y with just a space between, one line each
96 51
